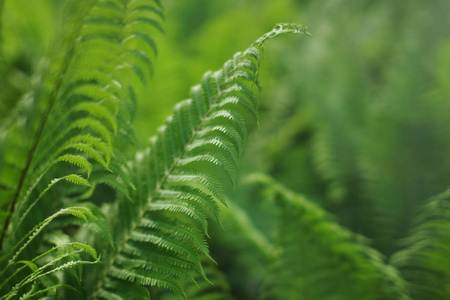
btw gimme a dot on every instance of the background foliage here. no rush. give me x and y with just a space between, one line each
355 119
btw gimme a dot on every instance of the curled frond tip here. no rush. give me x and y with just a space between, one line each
281 28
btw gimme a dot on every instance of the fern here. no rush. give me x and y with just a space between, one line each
86 101
87 92
424 259
241 249
318 259
178 180
43 267
86 212
84 94
215 288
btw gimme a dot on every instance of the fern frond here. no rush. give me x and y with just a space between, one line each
241 250
79 212
40 274
424 261
179 180
32 294
43 265
318 259
87 102
215 288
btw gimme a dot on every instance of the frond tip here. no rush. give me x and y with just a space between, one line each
279 29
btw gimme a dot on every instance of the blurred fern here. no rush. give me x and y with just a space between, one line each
315 258
424 259
215 287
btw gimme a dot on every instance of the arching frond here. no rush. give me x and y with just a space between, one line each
26 277
241 250
215 288
425 260
161 236
85 96
318 259
73 126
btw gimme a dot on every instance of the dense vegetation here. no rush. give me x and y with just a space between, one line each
303 168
